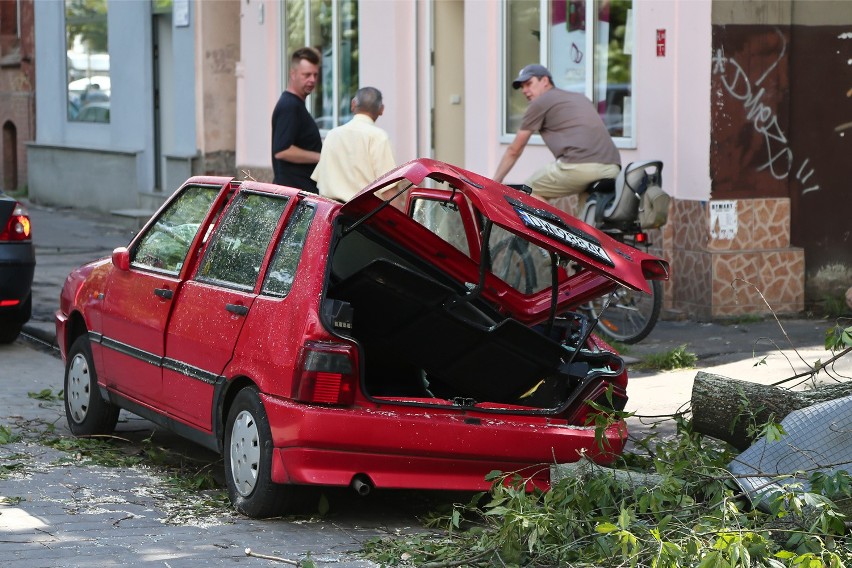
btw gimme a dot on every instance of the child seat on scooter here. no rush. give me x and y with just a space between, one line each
624 205
618 203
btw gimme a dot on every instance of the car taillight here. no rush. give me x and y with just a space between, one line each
327 374
18 227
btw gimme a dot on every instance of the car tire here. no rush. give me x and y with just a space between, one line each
87 412
10 328
248 460
11 323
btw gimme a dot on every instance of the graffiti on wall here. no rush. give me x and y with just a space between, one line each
736 83
781 127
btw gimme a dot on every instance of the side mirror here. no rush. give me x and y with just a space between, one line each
121 258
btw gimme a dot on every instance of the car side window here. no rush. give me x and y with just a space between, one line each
166 243
282 269
444 219
239 245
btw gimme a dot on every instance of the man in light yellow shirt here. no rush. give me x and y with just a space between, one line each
356 153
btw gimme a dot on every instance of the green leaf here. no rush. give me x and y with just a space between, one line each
773 432
605 528
7 437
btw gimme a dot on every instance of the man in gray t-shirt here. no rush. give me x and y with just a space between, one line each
572 130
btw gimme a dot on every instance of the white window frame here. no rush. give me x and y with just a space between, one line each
624 142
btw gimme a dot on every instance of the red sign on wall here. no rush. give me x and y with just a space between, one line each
661 43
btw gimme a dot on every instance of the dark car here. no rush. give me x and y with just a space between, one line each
319 343
17 264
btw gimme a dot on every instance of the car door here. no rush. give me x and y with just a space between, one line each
211 308
138 301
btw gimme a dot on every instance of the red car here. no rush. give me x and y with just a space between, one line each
319 343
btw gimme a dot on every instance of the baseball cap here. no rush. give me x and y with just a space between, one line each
530 71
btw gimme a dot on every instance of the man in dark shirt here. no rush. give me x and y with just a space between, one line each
296 141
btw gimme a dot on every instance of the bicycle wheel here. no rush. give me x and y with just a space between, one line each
630 316
512 263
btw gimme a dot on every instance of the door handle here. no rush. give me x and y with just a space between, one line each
164 293
235 309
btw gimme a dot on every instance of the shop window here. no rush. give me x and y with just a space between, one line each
87 57
586 44
330 26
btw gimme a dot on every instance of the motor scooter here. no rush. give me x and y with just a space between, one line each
624 208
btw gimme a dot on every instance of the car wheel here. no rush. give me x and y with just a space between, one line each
11 323
248 460
87 412
10 327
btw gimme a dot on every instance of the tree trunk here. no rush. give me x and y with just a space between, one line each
731 410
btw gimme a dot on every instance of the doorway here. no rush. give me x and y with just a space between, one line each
10 157
448 97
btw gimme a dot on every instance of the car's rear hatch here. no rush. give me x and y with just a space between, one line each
438 326
598 261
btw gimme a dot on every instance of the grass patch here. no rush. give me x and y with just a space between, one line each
834 306
677 358
621 348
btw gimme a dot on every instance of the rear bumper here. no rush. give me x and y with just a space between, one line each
17 266
397 447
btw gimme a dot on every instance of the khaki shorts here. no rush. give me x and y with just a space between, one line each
559 179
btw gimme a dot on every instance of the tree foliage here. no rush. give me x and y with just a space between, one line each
681 508
87 19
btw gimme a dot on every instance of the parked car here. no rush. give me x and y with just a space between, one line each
319 343
17 265
97 111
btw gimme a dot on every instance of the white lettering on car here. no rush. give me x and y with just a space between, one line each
574 241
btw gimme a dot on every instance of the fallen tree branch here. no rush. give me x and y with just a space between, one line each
814 370
249 552
732 410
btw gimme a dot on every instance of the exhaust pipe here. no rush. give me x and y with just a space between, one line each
361 485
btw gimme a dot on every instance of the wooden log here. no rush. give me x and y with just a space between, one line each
733 411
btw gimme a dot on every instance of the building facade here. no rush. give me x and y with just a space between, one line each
17 91
133 97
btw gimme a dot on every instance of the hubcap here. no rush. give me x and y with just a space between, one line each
79 388
245 453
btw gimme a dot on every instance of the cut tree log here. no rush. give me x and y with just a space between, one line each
733 411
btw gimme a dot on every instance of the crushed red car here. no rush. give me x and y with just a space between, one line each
319 343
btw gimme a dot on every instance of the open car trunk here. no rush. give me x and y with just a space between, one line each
466 298
426 339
